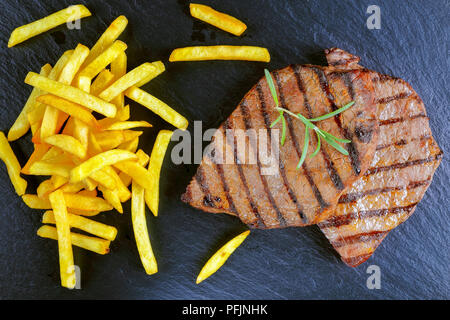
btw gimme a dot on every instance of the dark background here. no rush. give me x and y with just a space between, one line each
294 263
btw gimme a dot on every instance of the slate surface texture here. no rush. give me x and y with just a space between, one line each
295 263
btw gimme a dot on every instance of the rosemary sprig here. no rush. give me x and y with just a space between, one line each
321 134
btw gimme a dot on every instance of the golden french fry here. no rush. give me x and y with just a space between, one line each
112 138
81 132
72 187
73 65
52 154
158 107
60 64
123 114
99 161
143 160
45 187
45 168
21 125
12 165
140 229
72 94
93 146
104 79
49 122
104 59
122 191
90 226
68 144
221 256
102 178
154 167
138 74
112 197
32 29
39 151
107 38
160 68
218 19
119 69
85 213
67 269
34 202
131 145
124 125
136 172
201 53
82 202
58 181
35 115
83 83
93 244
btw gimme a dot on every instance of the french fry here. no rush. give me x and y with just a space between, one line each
107 38
81 133
82 202
131 145
88 193
21 125
124 125
68 144
90 226
104 59
49 122
73 65
138 74
221 256
67 269
122 191
72 94
45 168
12 165
158 107
112 197
52 154
59 181
119 69
154 167
39 151
123 114
112 138
83 83
136 172
85 213
218 19
202 53
143 160
45 187
93 244
72 187
34 202
140 230
104 79
160 68
32 29
99 161
102 178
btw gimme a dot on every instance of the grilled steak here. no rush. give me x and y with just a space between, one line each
401 171
289 196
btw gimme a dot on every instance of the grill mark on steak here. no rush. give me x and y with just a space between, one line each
200 178
397 96
248 126
352 197
259 220
402 119
323 204
226 189
360 237
403 142
402 165
338 221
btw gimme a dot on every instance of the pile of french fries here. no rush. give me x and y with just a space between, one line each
82 153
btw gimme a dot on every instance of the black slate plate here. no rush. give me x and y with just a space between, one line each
296 263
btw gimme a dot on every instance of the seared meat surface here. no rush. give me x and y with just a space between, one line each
288 196
405 160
